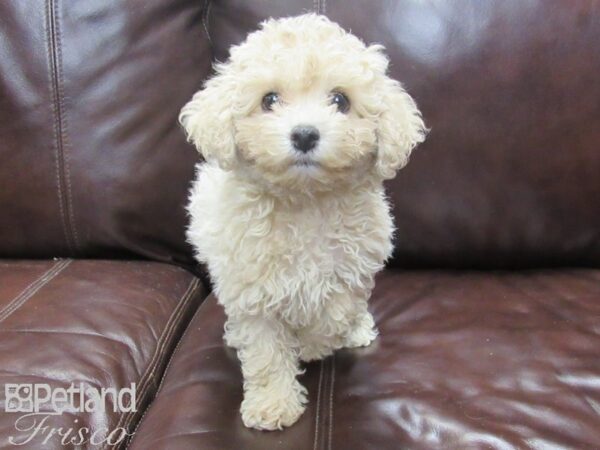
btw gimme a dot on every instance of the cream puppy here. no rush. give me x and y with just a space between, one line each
299 128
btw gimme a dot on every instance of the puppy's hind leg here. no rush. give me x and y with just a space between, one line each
314 347
362 330
273 397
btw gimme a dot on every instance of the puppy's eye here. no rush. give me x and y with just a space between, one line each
269 100
341 101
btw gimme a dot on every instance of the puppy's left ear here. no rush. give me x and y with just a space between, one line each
400 129
208 119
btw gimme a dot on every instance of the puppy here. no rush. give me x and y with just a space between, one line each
299 128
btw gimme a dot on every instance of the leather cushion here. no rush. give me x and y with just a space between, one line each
508 176
105 324
93 160
465 360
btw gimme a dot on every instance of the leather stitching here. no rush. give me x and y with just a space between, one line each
318 406
55 114
331 401
64 129
145 380
32 288
325 406
205 17
164 375
172 322
63 182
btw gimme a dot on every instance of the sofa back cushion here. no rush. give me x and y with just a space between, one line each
93 163
510 173
92 160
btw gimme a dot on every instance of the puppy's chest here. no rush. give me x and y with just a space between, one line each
309 240
319 246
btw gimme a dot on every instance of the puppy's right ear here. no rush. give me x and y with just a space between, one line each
208 119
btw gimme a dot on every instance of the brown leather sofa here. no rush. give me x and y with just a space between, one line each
489 312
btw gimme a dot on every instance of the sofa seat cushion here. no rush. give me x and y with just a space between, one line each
93 324
465 360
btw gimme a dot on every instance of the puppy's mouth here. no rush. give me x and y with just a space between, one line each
305 161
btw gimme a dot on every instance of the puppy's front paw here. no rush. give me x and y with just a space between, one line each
363 333
265 408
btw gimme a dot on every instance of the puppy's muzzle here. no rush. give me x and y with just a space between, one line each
304 138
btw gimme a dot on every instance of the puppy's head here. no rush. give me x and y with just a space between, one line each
302 103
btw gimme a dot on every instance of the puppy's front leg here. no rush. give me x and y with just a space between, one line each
273 397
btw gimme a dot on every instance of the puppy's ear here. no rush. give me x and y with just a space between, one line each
400 129
208 119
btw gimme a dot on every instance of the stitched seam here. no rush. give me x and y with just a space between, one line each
318 406
146 378
55 114
324 404
171 324
62 172
331 401
30 286
205 16
64 128
33 288
164 374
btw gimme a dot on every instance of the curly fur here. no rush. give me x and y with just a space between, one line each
292 248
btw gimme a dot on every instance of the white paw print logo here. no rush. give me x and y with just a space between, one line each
18 397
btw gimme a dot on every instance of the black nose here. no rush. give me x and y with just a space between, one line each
304 138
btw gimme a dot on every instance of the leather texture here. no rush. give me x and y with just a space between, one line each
89 97
105 324
93 164
509 174
90 91
464 360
